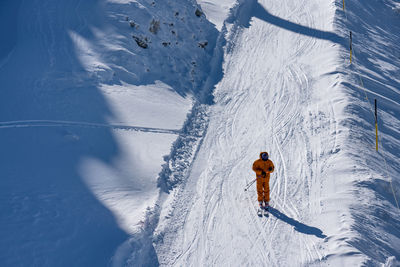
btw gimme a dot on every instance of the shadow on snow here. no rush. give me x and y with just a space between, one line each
260 12
298 226
255 9
49 216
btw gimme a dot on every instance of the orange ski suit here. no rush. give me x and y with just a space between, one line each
263 181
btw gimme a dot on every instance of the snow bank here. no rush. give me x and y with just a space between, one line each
373 75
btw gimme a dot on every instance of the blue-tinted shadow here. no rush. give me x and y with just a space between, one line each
298 226
48 215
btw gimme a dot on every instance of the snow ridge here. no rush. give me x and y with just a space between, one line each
183 152
373 75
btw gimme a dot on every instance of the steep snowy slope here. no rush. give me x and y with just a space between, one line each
217 11
288 88
93 95
374 74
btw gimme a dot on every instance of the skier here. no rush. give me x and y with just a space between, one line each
263 167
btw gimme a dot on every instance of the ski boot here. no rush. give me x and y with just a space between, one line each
266 206
260 209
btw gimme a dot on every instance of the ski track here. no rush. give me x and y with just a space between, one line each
259 106
58 123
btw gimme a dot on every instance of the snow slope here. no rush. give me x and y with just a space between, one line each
87 117
217 11
374 75
288 88
104 108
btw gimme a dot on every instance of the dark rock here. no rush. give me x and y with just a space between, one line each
203 44
198 12
154 26
140 42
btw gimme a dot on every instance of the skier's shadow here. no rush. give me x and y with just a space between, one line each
298 226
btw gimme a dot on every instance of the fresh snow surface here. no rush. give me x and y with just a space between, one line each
87 117
119 155
217 11
374 75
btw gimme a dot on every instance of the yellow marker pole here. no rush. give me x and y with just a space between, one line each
351 55
376 125
351 46
343 6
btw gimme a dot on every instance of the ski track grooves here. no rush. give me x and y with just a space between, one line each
263 102
57 123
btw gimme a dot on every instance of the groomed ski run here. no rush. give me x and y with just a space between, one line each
282 92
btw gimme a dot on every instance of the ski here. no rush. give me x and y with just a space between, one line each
266 211
260 212
263 211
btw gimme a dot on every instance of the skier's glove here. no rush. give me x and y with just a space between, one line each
263 174
270 168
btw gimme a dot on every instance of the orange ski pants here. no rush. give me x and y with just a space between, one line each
263 188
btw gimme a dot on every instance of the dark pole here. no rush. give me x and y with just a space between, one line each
351 46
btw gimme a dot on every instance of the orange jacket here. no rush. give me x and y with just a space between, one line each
266 166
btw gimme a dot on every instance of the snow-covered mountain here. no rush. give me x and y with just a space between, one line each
87 116
128 129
